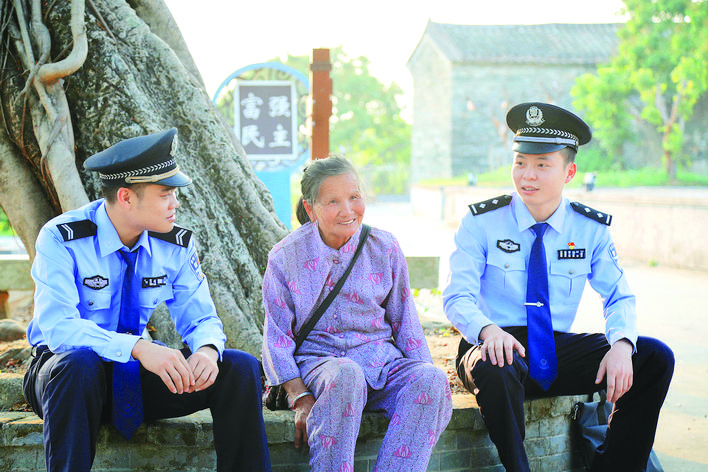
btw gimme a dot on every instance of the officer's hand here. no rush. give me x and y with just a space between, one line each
617 364
204 367
169 364
499 345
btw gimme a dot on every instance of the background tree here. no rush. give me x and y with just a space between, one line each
366 123
75 82
658 75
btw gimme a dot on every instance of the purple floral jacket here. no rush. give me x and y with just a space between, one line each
372 320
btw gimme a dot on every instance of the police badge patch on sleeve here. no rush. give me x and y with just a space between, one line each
196 266
613 253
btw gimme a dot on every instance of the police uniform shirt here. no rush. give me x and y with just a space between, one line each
488 271
78 275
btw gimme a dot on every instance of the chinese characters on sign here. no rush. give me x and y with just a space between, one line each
266 120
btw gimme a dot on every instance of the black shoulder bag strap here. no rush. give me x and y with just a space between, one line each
365 230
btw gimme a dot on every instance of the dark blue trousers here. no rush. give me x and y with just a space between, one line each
501 392
71 391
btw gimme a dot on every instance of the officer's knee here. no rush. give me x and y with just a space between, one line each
241 363
78 374
79 366
495 377
661 356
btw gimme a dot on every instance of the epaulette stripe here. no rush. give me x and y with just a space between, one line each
591 213
489 205
178 236
77 229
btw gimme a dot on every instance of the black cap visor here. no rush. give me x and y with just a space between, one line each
177 180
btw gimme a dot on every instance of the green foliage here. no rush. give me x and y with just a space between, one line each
657 76
647 177
612 125
5 228
644 177
366 124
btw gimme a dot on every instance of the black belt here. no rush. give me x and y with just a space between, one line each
39 349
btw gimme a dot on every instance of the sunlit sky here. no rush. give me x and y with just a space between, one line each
226 35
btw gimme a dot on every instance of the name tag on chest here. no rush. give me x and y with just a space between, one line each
154 282
571 254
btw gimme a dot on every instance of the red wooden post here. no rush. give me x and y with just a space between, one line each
321 103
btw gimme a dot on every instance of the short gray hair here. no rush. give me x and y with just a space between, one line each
315 174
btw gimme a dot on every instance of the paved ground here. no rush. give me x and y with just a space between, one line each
671 305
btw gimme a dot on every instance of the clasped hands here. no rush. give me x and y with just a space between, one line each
616 365
180 375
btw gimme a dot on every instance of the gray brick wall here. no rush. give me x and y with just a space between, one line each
431 153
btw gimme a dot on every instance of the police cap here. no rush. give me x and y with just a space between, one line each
144 159
542 128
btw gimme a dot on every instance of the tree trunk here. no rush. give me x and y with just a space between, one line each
669 161
132 83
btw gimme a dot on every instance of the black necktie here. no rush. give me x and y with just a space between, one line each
127 391
543 366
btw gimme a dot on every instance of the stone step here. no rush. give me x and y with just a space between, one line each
185 444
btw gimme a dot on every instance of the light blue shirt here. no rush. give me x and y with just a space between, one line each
488 271
78 286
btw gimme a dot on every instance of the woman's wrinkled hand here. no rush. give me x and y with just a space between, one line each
302 410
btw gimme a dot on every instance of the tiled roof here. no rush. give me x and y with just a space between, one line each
548 43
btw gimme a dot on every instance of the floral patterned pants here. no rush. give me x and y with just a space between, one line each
416 399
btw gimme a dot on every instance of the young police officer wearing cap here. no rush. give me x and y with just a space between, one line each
517 274
99 273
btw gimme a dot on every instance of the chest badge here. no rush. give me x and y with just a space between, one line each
571 253
508 246
96 282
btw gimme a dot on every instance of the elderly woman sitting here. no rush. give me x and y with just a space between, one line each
368 351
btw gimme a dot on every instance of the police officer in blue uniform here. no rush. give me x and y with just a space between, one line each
99 272
516 277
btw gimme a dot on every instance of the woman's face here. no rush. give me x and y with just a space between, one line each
338 210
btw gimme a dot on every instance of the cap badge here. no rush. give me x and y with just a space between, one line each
534 116
173 149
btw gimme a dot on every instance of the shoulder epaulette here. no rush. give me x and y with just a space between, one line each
178 236
598 216
77 229
491 204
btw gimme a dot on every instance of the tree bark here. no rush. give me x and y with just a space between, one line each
21 192
133 83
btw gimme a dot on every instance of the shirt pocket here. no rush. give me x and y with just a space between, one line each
505 270
568 277
150 298
94 300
